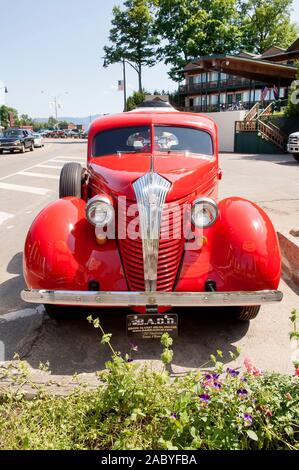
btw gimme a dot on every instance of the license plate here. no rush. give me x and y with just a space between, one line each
150 326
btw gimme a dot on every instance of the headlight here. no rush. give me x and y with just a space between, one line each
204 212
16 142
99 211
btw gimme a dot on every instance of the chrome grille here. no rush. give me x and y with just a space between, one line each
170 249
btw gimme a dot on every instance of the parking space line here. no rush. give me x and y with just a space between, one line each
5 216
38 175
25 189
50 166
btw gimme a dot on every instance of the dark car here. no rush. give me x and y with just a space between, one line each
16 139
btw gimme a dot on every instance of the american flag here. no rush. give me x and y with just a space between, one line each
120 85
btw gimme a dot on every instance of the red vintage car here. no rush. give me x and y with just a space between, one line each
141 225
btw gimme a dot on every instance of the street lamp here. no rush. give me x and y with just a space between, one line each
56 104
124 62
5 91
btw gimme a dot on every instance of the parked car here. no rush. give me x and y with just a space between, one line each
293 145
16 139
38 140
141 226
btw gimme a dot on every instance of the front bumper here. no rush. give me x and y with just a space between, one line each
137 299
293 148
11 147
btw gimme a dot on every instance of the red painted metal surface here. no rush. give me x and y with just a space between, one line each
61 251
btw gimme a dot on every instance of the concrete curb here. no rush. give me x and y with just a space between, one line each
289 247
13 381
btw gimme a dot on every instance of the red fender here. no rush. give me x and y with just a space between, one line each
61 251
240 251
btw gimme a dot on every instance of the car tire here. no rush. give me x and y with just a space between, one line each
70 182
31 147
1 151
247 313
296 156
23 150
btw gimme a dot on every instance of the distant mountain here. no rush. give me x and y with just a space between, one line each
85 121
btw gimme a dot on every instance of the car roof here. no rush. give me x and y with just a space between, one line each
153 116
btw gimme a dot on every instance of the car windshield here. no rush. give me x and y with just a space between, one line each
182 139
166 139
12 133
123 139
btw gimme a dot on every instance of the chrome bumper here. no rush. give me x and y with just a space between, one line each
131 299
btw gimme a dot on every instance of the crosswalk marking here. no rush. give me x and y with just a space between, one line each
25 189
71 158
5 216
38 175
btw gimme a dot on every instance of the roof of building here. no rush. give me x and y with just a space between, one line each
265 67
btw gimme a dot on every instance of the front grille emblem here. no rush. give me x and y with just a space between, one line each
151 191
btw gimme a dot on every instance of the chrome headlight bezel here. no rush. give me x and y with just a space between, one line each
210 205
93 204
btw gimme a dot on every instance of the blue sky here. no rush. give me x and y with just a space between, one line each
55 46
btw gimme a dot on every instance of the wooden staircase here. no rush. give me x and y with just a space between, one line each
257 120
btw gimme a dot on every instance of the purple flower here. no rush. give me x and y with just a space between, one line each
129 359
232 372
208 376
133 347
242 393
216 376
217 385
173 415
204 398
247 419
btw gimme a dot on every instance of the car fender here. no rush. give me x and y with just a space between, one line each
240 252
61 251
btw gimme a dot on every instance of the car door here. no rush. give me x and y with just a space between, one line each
26 139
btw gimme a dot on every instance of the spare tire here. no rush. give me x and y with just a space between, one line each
70 182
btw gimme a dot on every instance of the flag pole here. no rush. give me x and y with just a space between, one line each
125 86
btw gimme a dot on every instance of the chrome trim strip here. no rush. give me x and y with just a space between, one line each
150 190
129 299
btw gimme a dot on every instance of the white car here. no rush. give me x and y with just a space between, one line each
293 145
38 140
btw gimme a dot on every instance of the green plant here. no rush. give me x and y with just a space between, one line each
138 407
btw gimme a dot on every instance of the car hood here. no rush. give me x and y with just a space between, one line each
187 174
9 139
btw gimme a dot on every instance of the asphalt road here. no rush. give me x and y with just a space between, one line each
29 181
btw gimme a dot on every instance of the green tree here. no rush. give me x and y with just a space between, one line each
292 108
5 114
191 28
134 100
132 36
25 120
52 122
265 23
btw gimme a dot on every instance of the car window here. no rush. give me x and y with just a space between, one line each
182 139
12 133
123 139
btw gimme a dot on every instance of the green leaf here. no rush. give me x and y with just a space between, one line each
106 338
252 435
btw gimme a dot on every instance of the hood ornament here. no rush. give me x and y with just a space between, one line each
151 191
